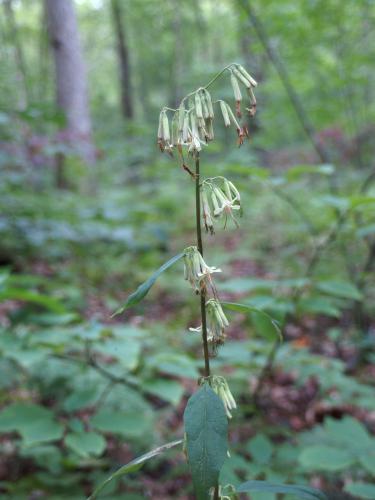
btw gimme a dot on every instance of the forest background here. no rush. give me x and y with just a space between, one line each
89 208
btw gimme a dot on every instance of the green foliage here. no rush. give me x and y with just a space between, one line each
143 289
79 397
133 466
206 425
294 490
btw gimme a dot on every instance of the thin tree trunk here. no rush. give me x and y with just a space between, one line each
44 61
18 52
284 77
176 69
123 60
70 70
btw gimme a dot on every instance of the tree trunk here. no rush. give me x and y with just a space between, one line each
70 71
123 60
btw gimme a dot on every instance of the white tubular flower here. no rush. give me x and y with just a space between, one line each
224 198
196 271
220 386
206 211
216 324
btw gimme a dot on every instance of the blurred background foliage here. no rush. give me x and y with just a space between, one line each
82 393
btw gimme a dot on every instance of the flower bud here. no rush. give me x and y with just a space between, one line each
247 76
231 114
236 88
206 211
160 127
198 106
210 129
209 103
242 78
181 117
185 129
224 112
175 132
166 133
206 113
252 96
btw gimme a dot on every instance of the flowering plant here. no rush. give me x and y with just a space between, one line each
187 130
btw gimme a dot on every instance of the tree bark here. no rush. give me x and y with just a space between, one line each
123 60
70 71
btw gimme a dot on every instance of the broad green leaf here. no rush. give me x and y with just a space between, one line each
127 351
304 492
85 443
130 425
34 423
239 285
81 398
134 465
340 289
294 173
361 490
321 457
169 390
243 308
350 432
32 297
260 448
368 461
143 289
206 428
173 362
41 432
318 305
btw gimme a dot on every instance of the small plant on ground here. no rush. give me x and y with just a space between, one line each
186 131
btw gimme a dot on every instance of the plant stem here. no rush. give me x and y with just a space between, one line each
203 291
200 249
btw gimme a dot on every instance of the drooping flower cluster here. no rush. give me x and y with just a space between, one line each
196 271
216 323
219 198
220 386
192 122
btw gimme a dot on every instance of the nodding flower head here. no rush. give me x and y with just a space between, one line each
220 386
196 271
192 121
216 324
224 198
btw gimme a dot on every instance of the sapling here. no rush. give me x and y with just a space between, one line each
185 132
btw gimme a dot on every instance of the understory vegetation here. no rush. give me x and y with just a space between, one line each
83 392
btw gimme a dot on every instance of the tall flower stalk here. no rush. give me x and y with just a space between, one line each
191 127
187 130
